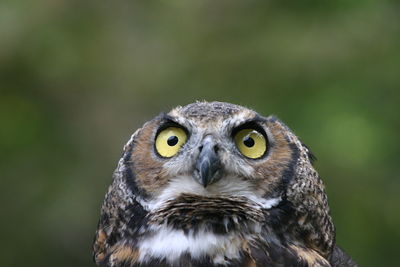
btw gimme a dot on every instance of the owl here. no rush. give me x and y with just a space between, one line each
216 184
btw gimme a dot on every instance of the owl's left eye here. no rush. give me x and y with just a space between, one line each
169 141
251 143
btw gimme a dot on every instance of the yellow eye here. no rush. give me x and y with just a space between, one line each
251 143
169 141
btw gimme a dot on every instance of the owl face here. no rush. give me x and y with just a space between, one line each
210 184
211 149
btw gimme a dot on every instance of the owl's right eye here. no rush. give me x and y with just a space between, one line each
169 141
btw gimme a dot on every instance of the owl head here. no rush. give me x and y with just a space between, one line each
215 167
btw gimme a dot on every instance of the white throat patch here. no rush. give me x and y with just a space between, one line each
170 244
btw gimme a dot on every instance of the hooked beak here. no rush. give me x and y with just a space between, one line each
208 165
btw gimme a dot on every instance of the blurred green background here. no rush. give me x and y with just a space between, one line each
78 77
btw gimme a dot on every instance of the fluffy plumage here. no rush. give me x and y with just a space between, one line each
210 204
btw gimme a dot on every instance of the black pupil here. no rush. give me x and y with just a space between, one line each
248 141
172 140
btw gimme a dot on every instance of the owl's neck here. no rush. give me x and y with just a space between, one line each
248 243
259 246
201 227
218 228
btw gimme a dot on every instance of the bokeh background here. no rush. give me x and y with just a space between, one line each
78 77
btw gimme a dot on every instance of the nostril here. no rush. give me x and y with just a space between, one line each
200 148
216 148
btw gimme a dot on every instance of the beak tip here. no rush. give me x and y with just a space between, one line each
201 177
206 178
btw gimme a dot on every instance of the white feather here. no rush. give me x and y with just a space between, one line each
170 244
